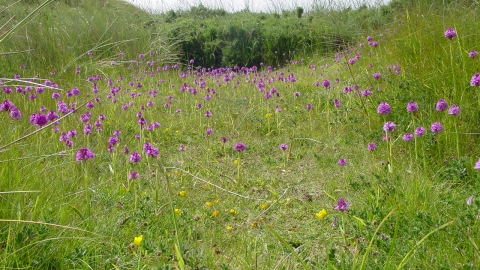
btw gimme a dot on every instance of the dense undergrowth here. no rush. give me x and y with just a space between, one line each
215 38
113 155
212 37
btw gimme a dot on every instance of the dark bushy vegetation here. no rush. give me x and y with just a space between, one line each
214 37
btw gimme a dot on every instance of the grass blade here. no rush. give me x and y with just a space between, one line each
288 246
25 20
405 259
47 224
373 237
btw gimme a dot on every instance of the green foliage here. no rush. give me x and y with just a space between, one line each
246 38
201 12
299 11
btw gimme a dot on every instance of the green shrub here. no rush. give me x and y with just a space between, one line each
216 38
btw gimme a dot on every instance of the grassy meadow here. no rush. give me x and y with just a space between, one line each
119 151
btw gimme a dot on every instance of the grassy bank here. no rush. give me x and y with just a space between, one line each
69 33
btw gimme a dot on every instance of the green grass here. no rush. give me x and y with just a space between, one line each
63 32
210 206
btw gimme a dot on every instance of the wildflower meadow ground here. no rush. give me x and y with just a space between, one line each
365 159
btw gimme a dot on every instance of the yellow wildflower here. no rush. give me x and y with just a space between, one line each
208 204
264 206
235 162
177 211
182 193
215 213
233 211
137 240
321 214
229 228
